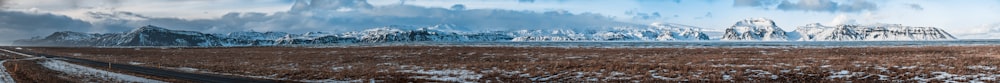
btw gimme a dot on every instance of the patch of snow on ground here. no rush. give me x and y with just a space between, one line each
4 76
905 67
980 67
84 71
336 81
762 74
657 76
882 69
18 53
727 77
188 69
662 77
732 65
945 76
338 68
135 63
841 74
464 76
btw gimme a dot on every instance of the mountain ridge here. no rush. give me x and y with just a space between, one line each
157 36
752 29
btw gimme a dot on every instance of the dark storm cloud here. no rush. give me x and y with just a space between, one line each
21 25
3 4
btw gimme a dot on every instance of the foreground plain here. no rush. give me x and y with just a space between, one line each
540 64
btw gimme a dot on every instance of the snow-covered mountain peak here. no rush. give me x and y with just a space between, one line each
69 35
673 26
442 26
668 25
755 29
756 22
317 34
884 25
751 29
383 29
814 25
149 28
846 26
255 35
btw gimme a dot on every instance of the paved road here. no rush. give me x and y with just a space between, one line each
202 78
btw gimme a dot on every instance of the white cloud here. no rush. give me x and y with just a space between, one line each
755 3
192 9
984 31
329 15
809 5
828 6
643 15
318 15
843 19
993 28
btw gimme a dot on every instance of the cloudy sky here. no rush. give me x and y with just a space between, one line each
20 19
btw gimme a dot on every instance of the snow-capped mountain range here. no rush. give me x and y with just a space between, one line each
817 32
156 36
765 29
754 29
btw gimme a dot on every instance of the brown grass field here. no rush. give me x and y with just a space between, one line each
29 71
543 64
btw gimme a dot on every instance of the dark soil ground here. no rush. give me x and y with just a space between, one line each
540 64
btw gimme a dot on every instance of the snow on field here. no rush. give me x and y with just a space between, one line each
84 71
464 76
135 63
4 76
980 67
